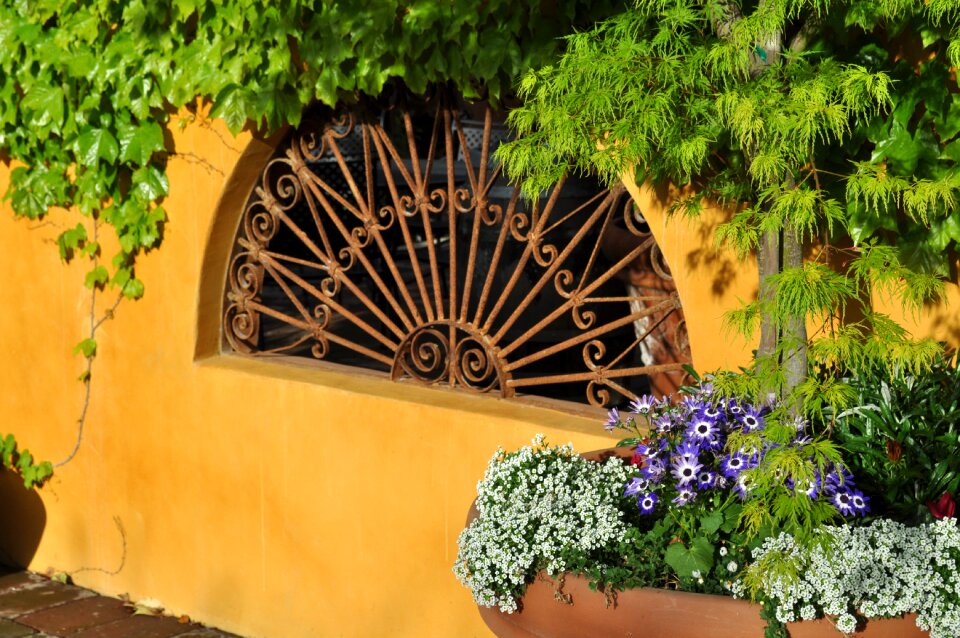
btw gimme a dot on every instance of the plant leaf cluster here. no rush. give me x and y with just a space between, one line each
901 436
33 472
87 88
834 122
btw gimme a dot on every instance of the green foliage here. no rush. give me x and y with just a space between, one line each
901 434
804 119
33 473
87 87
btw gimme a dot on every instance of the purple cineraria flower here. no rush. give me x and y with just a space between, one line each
859 500
691 404
706 479
685 496
704 432
733 407
743 486
685 469
688 450
843 501
751 419
712 413
732 465
663 423
642 405
811 488
613 419
654 469
646 502
835 482
653 449
636 486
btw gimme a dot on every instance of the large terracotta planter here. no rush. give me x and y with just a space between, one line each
574 611
656 613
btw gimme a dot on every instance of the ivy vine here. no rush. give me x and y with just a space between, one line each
88 88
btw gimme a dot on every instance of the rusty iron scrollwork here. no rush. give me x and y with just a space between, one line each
389 239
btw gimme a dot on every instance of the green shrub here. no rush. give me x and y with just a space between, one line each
901 437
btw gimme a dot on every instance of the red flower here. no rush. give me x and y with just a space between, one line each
943 508
637 458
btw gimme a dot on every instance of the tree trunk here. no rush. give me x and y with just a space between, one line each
795 331
768 263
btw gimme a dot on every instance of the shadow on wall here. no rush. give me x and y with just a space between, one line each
22 519
705 256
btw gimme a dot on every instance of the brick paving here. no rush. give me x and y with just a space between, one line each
34 606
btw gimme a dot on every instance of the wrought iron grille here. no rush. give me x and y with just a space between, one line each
387 238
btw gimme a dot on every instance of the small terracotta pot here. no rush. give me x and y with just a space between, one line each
551 609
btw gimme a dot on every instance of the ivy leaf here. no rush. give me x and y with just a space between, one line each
46 104
95 144
97 277
69 240
233 105
149 183
139 143
133 289
88 347
698 557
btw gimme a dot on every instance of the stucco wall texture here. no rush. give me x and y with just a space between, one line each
266 499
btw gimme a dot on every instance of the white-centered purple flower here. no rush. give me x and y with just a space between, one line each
744 485
712 413
704 432
685 469
732 465
642 405
684 496
706 479
751 419
689 450
810 488
850 501
843 501
860 506
733 407
654 470
636 486
663 423
647 502
835 481
652 449
613 419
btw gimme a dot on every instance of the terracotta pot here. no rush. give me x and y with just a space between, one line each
656 612
572 610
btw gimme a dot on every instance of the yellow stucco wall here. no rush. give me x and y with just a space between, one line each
265 499
268 499
711 281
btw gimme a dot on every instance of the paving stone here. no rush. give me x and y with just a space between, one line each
19 579
136 627
76 616
10 629
36 595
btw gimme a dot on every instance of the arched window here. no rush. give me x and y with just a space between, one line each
386 237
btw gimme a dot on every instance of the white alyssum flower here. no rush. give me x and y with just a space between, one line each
880 570
732 566
533 505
